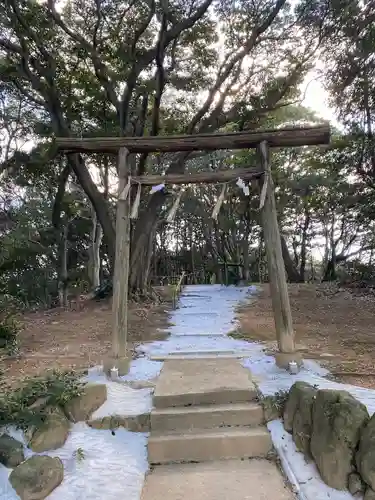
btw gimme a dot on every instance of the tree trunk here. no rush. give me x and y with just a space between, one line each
291 270
63 267
246 256
94 251
306 225
98 201
141 249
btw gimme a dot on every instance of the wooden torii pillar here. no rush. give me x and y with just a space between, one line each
260 139
120 358
276 268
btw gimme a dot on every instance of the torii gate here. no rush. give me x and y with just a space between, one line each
263 140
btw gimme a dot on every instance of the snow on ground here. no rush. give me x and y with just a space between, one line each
115 465
112 465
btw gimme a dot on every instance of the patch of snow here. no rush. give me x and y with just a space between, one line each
123 400
271 379
202 322
111 465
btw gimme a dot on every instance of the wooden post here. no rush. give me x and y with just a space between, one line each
120 359
276 268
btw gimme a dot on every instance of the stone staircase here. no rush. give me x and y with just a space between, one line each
206 410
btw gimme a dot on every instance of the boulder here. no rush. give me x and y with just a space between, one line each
52 434
81 407
11 451
365 458
370 494
337 421
292 403
36 478
302 422
355 484
137 423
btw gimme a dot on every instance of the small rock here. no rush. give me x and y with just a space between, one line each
36 478
292 403
365 458
81 408
11 451
52 434
141 384
370 494
355 484
137 423
337 421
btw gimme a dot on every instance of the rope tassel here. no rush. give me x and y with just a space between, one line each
125 192
174 208
137 201
219 202
263 193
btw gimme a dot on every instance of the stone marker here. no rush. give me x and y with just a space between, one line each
11 451
81 407
36 478
337 421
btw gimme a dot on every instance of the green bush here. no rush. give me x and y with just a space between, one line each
9 330
27 406
9 326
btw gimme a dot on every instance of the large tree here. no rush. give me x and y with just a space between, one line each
94 67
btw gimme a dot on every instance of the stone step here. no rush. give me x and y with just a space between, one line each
208 445
219 397
206 417
203 381
182 355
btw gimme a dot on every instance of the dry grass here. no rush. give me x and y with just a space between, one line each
78 339
335 327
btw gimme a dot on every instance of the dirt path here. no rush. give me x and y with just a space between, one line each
336 328
77 339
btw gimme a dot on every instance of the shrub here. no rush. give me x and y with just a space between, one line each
9 326
27 405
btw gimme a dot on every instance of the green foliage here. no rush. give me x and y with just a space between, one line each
9 326
274 405
358 273
26 406
9 329
80 455
136 68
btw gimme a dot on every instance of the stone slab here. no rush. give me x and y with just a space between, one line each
207 417
203 381
209 445
228 480
202 354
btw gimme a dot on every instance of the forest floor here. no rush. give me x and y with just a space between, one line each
80 337
334 326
